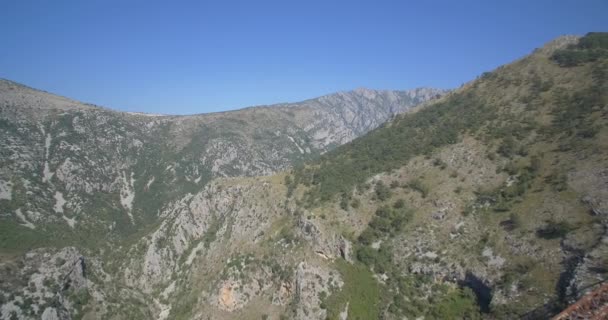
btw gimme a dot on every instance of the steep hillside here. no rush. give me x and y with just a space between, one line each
75 173
490 202
500 187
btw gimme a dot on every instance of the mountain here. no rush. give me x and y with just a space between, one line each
74 174
69 167
487 202
494 195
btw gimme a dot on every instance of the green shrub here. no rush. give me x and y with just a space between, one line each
382 191
457 304
439 163
553 229
399 204
558 181
392 145
417 185
361 292
344 202
507 147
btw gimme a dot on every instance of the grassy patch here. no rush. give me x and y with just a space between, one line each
16 238
360 291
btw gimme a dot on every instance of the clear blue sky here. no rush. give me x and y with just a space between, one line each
183 57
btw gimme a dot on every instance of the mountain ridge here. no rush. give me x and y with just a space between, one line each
72 150
422 92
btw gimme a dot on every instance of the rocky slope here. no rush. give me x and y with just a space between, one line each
68 166
73 175
489 202
495 195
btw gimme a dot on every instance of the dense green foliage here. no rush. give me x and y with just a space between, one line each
554 230
591 47
14 237
419 186
361 291
392 145
382 191
446 303
511 130
386 222
571 114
